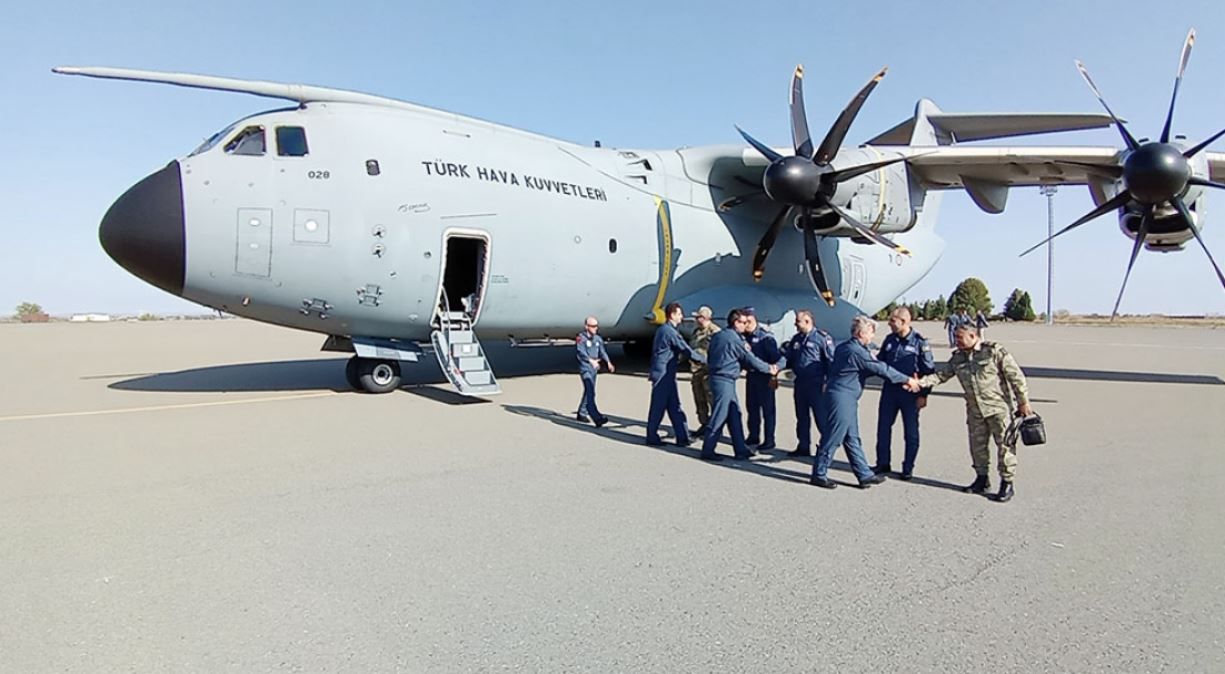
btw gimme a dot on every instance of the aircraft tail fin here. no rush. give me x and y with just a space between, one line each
932 126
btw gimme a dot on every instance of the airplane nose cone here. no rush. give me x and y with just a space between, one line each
144 232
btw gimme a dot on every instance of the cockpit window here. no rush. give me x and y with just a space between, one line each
291 141
249 142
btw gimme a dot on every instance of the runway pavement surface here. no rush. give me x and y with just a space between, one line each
208 496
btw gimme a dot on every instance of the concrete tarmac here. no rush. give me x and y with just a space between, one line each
209 496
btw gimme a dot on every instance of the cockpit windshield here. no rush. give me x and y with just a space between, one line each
212 140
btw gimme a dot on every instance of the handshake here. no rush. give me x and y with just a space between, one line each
912 385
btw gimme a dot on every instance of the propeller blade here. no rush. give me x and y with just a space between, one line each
799 121
1196 150
837 132
1205 183
867 233
812 255
760 147
1186 214
1115 203
1135 251
767 242
1127 137
1182 65
728 204
842 175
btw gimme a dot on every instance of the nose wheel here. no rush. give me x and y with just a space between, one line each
372 375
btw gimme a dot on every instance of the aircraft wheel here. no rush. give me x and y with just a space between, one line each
378 376
351 374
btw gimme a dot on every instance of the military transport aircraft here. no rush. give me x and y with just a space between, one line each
394 228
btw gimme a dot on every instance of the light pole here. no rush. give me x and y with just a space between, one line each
1048 191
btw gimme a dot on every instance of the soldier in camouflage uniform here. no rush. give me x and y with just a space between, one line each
700 341
991 379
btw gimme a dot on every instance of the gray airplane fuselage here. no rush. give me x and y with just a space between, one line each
342 228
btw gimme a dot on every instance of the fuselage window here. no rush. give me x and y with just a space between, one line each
248 142
612 245
291 141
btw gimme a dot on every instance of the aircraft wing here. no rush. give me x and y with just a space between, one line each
948 167
951 166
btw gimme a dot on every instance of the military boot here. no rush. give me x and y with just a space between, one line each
1005 494
980 485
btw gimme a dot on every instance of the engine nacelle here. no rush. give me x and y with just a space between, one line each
880 199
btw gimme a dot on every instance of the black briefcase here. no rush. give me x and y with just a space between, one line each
1033 431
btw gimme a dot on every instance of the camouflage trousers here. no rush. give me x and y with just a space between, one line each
701 395
982 430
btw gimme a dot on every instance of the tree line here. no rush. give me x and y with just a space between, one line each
971 295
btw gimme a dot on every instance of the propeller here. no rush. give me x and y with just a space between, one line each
1153 174
807 180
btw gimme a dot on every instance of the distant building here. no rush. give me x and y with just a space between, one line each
90 318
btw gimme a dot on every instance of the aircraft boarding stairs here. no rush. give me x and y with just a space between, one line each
460 354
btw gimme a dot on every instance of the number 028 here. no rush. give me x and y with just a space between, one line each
318 175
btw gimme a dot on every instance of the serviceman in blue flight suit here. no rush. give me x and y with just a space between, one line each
808 354
852 365
908 352
725 357
591 352
668 345
760 387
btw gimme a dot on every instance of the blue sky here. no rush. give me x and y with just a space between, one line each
632 74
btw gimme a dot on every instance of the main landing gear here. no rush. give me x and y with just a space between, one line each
373 375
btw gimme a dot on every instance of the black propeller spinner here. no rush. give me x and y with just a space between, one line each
1152 173
807 180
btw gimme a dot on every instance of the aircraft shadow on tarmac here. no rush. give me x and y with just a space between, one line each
619 429
327 374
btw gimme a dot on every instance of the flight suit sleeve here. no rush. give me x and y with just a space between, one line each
604 353
680 346
752 362
1012 374
581 352
873 366
940 374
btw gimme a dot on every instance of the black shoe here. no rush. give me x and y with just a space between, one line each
980 485
714 458
654 442
752 441
582 418
684 443
868 482
824 483
1006 492
601 421
802 451
700 431
882 469
765 446
906 476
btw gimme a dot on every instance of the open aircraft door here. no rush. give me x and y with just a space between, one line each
464 279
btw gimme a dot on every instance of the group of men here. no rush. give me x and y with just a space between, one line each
828 382
961 317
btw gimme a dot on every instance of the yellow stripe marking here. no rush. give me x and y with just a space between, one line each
158 408
665 264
